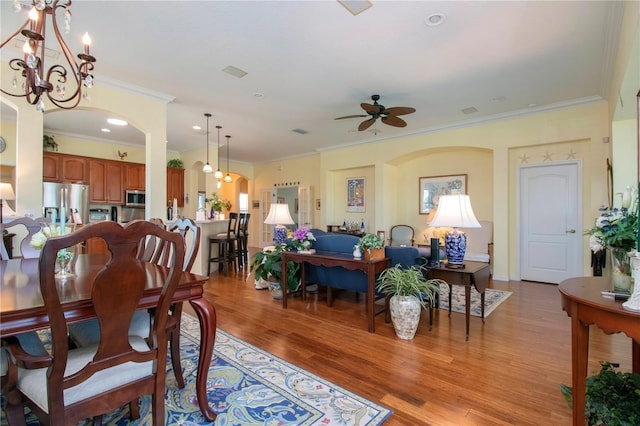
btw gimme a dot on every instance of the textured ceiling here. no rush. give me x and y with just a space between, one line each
308 62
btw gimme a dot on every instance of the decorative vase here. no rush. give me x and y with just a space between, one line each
633 303
356 252
377 253
620 270
64 259
275 289
405 315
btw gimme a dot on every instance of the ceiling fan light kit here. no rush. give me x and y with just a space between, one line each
375 111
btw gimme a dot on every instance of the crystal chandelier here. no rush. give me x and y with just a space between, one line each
227 178
207 167
38 80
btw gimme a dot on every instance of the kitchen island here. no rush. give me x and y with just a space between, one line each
208 228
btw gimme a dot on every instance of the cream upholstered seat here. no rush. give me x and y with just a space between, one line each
401 236
479 242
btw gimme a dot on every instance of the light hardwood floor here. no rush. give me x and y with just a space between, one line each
508 373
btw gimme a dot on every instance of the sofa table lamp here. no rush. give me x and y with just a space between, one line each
6 193
279 216
455 211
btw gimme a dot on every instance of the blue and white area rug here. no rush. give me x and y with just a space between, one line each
492 299
248 386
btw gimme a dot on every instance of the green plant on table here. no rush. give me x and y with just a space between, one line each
612 397
412 281
370 241
267 265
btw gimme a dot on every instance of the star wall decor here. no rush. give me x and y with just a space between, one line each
547 156
524 159
571 155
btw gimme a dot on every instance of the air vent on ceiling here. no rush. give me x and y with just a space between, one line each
236 72
356 6
300 131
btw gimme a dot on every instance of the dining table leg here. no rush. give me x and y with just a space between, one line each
207 317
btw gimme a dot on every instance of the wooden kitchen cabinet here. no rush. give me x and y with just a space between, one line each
175 185
134 177
51 167
74 169
64 168
106 183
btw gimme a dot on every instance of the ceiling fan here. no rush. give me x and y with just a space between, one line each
374 111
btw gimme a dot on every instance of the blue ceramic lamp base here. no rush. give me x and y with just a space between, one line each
279 234
455 245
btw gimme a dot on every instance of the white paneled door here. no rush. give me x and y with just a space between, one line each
549 222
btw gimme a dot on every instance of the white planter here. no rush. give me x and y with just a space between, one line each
405 315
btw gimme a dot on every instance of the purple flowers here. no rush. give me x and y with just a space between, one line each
302 238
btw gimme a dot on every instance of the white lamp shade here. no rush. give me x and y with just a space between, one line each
6 191
207 168
279 215
455 211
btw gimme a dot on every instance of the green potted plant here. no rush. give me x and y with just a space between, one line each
409 291
372 246
49 143
612 397
267 265
175 162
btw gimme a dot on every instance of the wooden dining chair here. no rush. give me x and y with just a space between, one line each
73 384
155 250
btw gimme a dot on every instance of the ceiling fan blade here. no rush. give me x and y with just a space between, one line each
351 116
370 108
366 124
394 121
399 110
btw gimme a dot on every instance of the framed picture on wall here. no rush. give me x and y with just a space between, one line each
355 195
432 187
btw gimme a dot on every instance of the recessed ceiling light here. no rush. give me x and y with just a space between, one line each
499 98
532 105
469 110
196 127
300 131
105 130
258 95
116 122
435 19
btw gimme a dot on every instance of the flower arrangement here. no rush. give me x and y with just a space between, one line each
218 203
40 238
301 238
616 227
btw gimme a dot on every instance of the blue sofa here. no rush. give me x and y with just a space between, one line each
343 279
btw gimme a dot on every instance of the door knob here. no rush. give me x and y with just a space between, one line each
571 231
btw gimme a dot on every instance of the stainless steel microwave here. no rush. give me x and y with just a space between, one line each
134 198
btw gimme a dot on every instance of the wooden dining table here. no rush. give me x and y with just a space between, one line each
22 307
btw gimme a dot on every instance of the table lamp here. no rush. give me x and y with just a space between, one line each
279 216
6 193
455 211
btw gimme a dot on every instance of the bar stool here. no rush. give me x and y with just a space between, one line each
226 242
243 238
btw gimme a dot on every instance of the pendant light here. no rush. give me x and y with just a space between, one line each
218 174
227 178
207 167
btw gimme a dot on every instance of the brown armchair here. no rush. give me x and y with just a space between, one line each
73 384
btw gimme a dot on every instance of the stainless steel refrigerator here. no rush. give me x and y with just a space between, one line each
76 200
